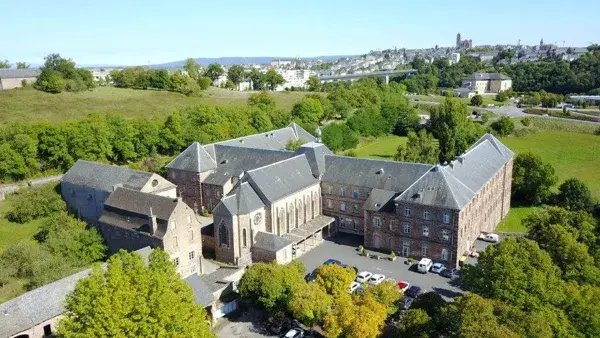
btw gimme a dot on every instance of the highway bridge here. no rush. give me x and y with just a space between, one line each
353 77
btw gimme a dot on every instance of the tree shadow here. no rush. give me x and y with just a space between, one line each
447 293
381 155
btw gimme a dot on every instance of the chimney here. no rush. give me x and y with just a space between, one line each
152 222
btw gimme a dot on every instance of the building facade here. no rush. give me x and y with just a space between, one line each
16 78
484 83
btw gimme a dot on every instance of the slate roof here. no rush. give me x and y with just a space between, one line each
140 203
203 295
278 180
380 200
12 73
105 177
487 76
194 158
247 158
315 153
455 184
270 242
395 176
241 200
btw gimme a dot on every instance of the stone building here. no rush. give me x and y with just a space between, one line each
485 83
132 220
15 78
86 186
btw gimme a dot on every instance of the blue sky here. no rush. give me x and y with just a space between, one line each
137 32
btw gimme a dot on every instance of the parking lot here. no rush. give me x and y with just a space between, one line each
343 247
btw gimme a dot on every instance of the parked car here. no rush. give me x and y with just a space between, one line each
413 291
351 267
354 286
406 303
424 265
295 333
332 261
279 325
376 279
492 238
311 277
363 276
403 286
438 267
449 273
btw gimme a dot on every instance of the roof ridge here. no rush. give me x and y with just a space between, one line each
416 181
378 160
459 181
450 188
246 136
278 162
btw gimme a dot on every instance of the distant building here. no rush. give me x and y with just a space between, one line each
463 44
454 58
15 78
484 83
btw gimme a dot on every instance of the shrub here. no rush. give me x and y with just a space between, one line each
204 82
31 203
501 97
504 126
526 121
477 100
597 132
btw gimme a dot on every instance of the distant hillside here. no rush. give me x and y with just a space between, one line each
237 60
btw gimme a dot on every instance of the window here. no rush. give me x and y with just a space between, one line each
355 226
342 223
329 189
392 225
175 244
355 194
341 191
444 254
223 236
406 228
47 330
377 222
189 219
244 238
426 215
176 261
425 231
191 235
446 218
342 206
329 204
192 255
424 249
173 225
355 209
405 248
407 212
445 235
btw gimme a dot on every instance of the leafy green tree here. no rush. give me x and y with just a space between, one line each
192 68
26 146
122 139
308 110
132 300
501 97
309 303
236 74
172 134
280 118
313 84
257 78
90 139
272 79
204 82
477 100
415 324
214 71
387 294
335 279
27 204
339 137
503 126
12 164
4 64
532 179
184 84
50 81
159 79
262 101
294 145
53 150
23 65
419 148
573 194
328 112
362 316
260 120
578 223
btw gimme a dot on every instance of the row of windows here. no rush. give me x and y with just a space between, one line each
342 192
406 252
355 207
350 223
377 223
191 256
427 215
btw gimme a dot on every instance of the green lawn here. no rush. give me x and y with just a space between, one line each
512 221
383 148
11 233
33 105
571 154
487 99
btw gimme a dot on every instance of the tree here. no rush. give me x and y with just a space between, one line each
262 101
256 77
501 97
532 179
185 84
272 79
362 316
308 110
419 148
132 300
503 126
27 204
23 65
415 324
573 194
387 294
339 137
260 120
310 303
12 164
214 71
578 223
313 84
4 64
192 68
335 279
477 100
50 81
160 79
294 145
236 74
204 82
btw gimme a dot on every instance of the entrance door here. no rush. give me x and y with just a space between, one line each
405 249
376 241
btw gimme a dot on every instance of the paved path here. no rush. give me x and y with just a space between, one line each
31 183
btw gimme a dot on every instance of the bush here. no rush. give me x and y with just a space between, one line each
597 132
526 121
204 82
504 126
477 100
28 204
501 97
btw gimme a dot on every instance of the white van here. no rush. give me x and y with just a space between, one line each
424 265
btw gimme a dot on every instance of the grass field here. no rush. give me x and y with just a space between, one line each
438 98
571 154
11 233
33 105
512 221
383 148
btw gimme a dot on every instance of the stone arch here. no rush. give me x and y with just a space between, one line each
280 220
301 218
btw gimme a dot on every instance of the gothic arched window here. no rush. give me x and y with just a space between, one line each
244 238
223 236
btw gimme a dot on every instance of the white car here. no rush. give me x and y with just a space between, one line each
294 333
437 268
363 276
376 279
353 287
492 238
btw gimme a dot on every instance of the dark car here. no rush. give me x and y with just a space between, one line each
449 273
413 291
351 267
311 277
279 327
406 302
332 261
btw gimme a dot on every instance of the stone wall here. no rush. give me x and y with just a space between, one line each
282 256
6 84
188 187
294 210
183 240
37 331
352 219
87 203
